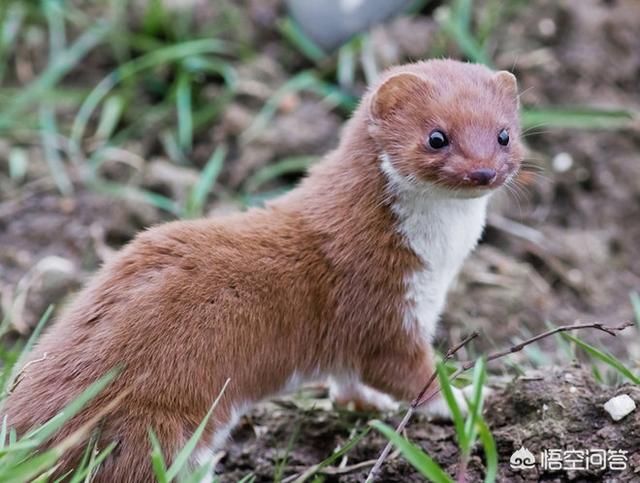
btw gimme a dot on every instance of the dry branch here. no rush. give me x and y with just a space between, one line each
421 399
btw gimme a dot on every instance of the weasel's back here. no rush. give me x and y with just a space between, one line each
174 312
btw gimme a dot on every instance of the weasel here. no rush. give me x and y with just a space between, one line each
344 276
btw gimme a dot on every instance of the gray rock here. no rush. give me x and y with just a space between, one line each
332 22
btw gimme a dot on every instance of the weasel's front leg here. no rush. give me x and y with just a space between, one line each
350 392
401 370
403 375
384 378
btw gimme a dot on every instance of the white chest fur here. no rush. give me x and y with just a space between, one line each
441 230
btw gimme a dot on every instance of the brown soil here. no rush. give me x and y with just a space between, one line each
560 409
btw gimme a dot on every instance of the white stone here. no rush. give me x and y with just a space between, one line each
562 162
618 407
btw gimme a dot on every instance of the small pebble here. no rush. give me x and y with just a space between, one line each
547 27
618 407
562 162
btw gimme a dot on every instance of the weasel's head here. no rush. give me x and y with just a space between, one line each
447 125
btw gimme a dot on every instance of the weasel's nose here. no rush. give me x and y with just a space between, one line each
483 176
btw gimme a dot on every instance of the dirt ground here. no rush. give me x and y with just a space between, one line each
563 249
561 409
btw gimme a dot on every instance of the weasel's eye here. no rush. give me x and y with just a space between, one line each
503 137
438 140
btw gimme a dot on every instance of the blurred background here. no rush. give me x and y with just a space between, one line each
119 114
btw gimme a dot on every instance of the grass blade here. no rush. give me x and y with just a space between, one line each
608 359
566 347
201 474
18 164
490 451
27 348
136 194
49 135
462 11
3 432
348 446
577 118
456 414
455 22
157 459
87 456
86 473
184 109
476 402
299 82
414 455
54 72
154 58
54 13
109 117
40 434
293 164
208 177
346 68
10 28
183 456
306 80
282 462
30 468
294 34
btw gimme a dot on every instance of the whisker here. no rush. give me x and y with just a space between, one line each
535 126
514 195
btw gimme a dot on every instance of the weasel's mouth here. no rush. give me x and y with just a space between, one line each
480 178
477 180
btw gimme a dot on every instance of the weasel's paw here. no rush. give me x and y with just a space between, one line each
439 410
355 396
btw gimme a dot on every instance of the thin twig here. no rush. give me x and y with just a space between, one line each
414 405
328 470
342 470
421 400
517 229
450 353
563 328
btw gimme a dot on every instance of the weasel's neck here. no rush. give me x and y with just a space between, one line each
361 205
384 232
345 202
440 229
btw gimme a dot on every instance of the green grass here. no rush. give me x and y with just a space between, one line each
20 457
152 83
201 190
418 458
469 429
335 456
608 359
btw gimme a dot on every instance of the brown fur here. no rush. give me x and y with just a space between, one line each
312 282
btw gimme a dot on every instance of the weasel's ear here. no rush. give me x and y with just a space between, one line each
397 89
507 82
